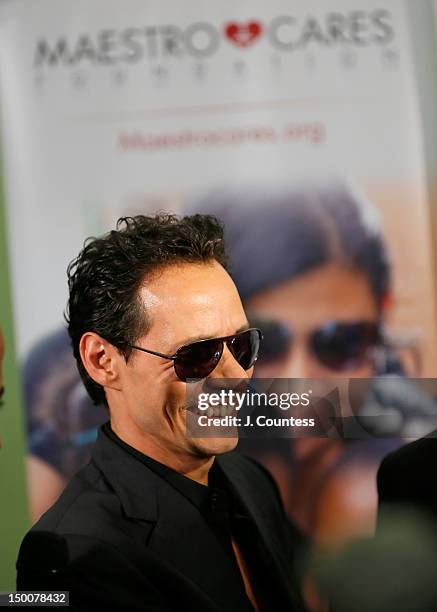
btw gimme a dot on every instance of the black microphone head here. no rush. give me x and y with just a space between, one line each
43 552
42 561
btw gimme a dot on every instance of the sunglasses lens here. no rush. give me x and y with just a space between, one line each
245 346
277 338
198 360
344 346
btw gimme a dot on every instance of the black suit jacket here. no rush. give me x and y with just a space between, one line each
407 477
120 537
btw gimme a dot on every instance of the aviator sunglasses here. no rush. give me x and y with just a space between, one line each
338 346
199 359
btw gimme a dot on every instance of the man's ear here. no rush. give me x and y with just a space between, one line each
100 359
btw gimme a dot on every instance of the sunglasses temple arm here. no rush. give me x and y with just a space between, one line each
140 348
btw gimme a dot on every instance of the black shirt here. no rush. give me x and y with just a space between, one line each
228 519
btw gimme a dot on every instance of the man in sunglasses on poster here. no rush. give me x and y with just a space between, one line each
158 520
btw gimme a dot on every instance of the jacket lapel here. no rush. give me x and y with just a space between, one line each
250 487
134 484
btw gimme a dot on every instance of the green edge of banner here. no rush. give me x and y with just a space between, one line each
14 518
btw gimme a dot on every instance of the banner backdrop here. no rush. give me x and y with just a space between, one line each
113 108
14 510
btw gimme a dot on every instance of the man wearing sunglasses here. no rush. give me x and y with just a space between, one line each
158 520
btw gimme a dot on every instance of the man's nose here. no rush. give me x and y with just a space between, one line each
300 363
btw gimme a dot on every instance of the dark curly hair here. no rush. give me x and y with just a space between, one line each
287 231
105 277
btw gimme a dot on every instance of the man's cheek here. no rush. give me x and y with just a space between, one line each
174 399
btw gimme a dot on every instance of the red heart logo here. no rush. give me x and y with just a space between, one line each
243 35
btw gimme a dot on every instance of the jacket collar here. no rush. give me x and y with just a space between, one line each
133 482
137 486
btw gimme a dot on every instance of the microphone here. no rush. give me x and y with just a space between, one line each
42 560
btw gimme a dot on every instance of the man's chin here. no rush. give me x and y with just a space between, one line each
212 436
208 447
